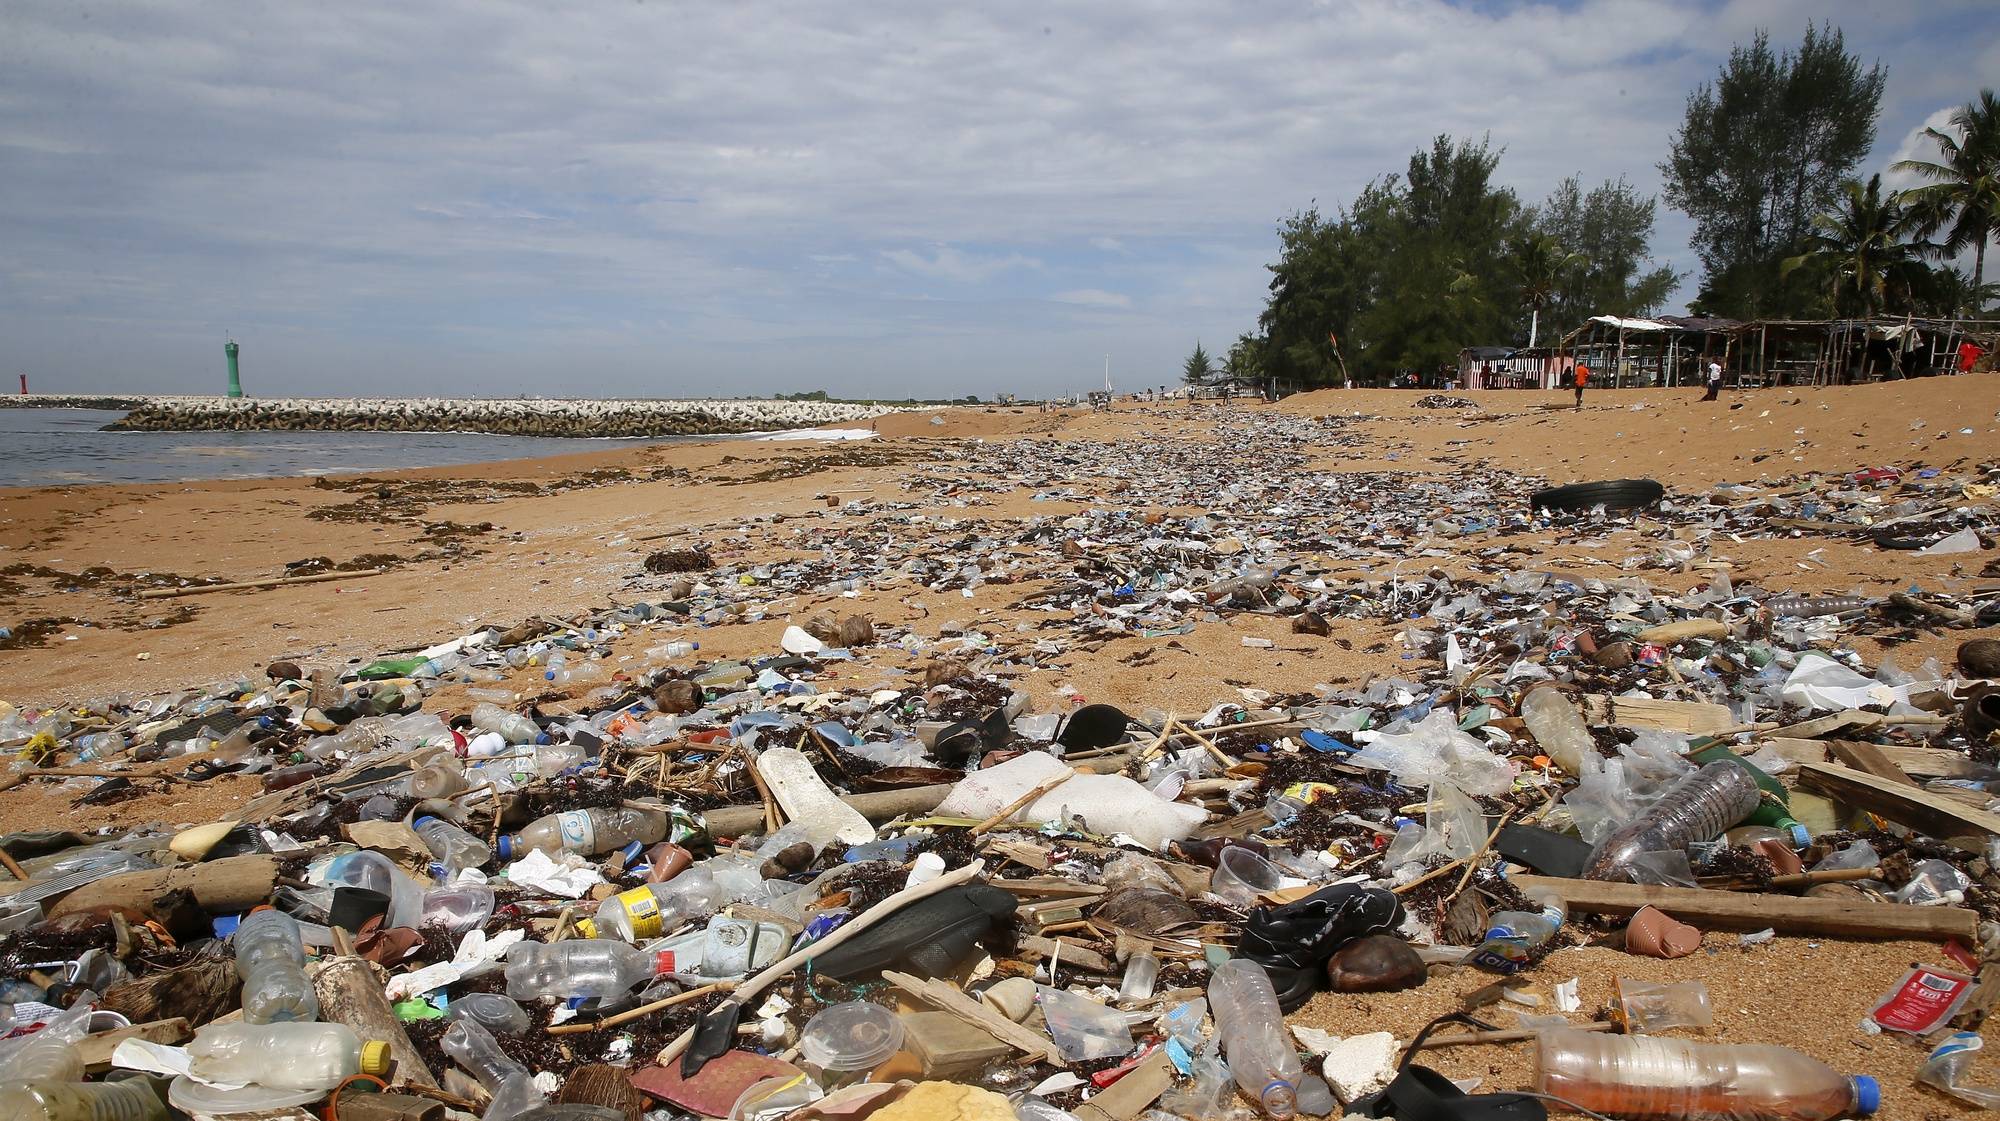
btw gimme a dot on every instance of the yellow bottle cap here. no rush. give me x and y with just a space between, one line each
587 927
374 1057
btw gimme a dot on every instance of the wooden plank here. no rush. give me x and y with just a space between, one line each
1644 714
949 998
1037 948
1867 757
1048 886
1929 762
1942 817
96 1049
1730 910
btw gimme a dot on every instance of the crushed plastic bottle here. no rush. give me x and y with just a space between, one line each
132 1099
1559 728
1949 1062
586 967
454 847
1512 937
1251 1027
471 1046
1697 808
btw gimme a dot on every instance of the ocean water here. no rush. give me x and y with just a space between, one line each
55 447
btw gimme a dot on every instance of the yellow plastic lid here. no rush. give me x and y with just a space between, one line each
374 1057
587 927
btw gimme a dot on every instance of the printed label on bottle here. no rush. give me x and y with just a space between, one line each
642 911
579 834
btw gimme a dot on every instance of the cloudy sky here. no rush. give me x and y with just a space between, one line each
497 197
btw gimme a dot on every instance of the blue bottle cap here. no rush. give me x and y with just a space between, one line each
1867 1094
508 842
1800 837
422 821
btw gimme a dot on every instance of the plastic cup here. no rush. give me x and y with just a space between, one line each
1241 875
846 1041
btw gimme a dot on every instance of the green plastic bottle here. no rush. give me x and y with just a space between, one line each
1774 811
390 667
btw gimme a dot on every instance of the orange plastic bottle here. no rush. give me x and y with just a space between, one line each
1644 1078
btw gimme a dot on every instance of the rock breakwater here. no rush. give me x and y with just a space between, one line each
521 417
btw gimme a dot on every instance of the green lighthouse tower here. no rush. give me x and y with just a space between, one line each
235 382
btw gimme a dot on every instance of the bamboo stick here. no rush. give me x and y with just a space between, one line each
1017 804
645 1009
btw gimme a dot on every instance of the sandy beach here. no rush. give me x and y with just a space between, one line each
503 542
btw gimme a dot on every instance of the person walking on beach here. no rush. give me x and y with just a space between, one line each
1714 380
1578 379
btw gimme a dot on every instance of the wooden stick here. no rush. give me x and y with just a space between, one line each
1224 761
763 791
1509 1035
13 866
248 585
1018 804
1472 864
750 988
1787 914
642 1010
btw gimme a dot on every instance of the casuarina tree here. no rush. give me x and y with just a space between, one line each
1761 151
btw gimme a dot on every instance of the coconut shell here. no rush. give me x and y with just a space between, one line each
1375 963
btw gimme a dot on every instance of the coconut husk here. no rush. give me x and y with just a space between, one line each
200 991
679 560
604 1085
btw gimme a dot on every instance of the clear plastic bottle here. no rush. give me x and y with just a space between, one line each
1251 1027
680 649
515 728
49 1055
585 832
1697 808
471 1046
1643 1077
557 669
588 967
285 1056
1559 728
651 910
1512 937
269 958
131 1099
723 675
454 847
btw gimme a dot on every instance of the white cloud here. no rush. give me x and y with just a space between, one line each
1108 244
947 263
1093 297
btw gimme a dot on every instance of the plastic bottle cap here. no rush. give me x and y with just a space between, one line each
374 1057
1867 1094
508 843
1800 837
587 927
422 821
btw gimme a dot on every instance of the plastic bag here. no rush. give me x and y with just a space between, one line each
1433 752
1081 1027
1648 1008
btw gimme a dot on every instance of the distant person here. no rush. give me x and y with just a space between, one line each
1579 379
1969 354
1714 381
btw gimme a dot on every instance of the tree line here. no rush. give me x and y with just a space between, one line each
1426 261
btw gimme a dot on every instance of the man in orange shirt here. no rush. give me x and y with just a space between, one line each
1582 376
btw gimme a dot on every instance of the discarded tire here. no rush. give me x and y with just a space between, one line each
1615 494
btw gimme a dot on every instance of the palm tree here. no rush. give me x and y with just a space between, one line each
1540 262
1870 247
1964 188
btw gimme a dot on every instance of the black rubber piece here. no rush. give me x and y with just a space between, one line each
1093 726
1889 539
930 936
1614 494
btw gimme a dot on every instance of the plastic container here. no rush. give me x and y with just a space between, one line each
846 1041
454 847
270 957
1647 1077
471 1046
1649 1008
585 832
1251 1027
1512 937
48 1055
131 1099
779 1096
501 1015
1697 808
587 967
1142 972
439 778
285 1056
512 726
1241 875
1560 731
1948 1065
459 908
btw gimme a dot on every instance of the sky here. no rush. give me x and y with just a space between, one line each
621 198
